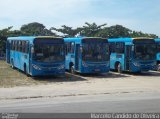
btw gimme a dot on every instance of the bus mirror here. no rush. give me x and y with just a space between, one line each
32 49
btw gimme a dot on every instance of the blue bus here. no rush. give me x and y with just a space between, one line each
158 53
36 55
87 55
132 54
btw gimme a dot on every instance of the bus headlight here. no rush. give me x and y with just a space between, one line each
136 64
36 67
61 67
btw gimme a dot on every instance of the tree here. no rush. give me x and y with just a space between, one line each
140 34
67 31
35 29
91 30
4 33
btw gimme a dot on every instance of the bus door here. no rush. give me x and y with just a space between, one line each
128 49
77 57
8 52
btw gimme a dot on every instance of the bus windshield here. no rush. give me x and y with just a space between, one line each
95 52
49 52
145 51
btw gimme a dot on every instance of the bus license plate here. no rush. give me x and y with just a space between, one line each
97 69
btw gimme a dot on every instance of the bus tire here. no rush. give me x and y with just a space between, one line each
158 67
119 69
72 70
25 70
12 64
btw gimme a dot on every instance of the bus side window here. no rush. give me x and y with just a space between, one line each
68 48
26 47
23 46
11 45
72 47
20 46
66 52
119 47
112 47
16 46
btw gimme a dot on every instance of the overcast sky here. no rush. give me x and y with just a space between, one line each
139 15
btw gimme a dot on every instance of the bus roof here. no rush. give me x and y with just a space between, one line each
29 38
128 39
79 39
157 39
140 38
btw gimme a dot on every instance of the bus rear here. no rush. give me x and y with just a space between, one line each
47 56
95 55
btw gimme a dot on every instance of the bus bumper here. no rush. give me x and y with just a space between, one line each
143 67
95 69
47 71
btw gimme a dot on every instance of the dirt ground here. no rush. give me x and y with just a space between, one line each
13 77
16 85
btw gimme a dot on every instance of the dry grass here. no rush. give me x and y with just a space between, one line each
13 77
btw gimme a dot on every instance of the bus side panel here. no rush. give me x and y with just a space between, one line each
70 58
117 58
67 61
16 59
112 60
12 57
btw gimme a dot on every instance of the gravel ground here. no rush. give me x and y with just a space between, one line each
15 85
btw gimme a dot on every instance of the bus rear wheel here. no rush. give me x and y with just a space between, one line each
72 70
119 68
12 64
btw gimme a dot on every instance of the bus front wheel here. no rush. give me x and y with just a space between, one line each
119 68
158 67
25 70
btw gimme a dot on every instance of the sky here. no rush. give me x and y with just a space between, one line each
139 15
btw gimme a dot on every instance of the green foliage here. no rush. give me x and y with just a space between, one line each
140 34
115 32
91 30
94 30
4 33
35 29
88 29
66 31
